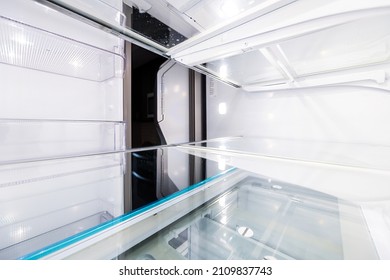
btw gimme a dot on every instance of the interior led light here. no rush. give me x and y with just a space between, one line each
223 71
222 164
222 108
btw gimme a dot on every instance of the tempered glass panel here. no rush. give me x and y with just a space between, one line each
291 222
256 220
337 153
358 43
246 68
50 204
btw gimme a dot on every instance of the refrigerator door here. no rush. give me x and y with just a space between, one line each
61 120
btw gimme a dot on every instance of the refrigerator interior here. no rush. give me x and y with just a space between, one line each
61 100
297 93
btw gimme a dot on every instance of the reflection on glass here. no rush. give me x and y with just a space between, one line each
46 202
143 178
256 221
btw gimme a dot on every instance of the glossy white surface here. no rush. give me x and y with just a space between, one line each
173 117
45 114
333 139
297 18
173 102
341 114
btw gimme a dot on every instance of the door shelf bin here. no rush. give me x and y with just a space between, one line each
27 140
33 48
35 243
42 202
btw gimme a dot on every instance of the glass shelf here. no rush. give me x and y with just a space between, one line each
30 139
247 68
33 48
179 214
49 204
353 172
294 224
356 44
327 153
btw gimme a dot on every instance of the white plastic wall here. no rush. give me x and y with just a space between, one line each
333 139
343 113
43 196
173 116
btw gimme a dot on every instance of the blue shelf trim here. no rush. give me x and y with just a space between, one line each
123 218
